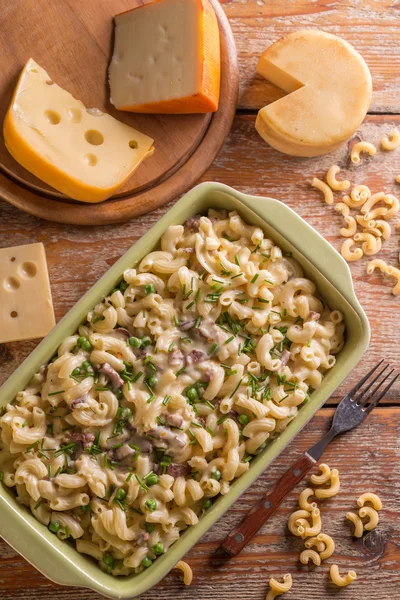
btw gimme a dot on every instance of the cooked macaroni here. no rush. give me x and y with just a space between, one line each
184 372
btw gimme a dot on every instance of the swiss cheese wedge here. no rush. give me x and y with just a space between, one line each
329 90
84 153
166 58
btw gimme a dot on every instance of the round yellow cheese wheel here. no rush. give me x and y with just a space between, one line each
328 87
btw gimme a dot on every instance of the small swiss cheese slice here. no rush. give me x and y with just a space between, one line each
166 58
84 153
329 90
26 309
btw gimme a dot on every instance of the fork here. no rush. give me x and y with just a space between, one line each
351 411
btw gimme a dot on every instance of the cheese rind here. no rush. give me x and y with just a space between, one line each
84 153
174 64
26 308
329 90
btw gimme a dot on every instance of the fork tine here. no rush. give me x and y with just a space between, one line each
364 379
381 395
363 393
364 398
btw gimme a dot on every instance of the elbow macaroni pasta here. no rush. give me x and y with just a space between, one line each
324 188
185 371
277 588
361 147
341 580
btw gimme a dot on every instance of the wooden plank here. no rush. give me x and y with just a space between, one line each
376 558
78 256
371 27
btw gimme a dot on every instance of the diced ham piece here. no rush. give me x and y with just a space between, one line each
193 223
186 325
285 358
122 332
175 357
86 439
313 316
124 451
174 420
79 401
112 375
196 356
179 470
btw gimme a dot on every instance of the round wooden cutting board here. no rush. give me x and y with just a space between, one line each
72 40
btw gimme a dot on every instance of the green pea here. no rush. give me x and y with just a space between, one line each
84 343
76 372
149 288
158 549
126 413
146 562
216 475
109 560
191 394
151 504
264 445
86 365
120 494
86 508
135 342
123 286
152 479
54 527
149 527
152 381
146 341
119 394
206 503
243 419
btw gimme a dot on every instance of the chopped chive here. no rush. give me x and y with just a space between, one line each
190 305
180 371
102 389
229 340
176 322
137 376
171 347
210 431
56 393
277 313
210 404
238 275
213 348
237 261
236 388
38 504
256 276
32 446
198 321
222 419
265 255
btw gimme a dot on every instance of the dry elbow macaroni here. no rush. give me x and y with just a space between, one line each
202 354
277 588
324 188
341 580
361 147
392 142
186 570
371 513
335 184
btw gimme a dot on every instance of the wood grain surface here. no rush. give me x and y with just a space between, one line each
77 256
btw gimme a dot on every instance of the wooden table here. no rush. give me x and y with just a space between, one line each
367 458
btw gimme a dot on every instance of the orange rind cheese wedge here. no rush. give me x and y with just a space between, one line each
166 58
84 153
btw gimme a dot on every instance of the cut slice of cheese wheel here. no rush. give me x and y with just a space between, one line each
84 153
166 58
328 87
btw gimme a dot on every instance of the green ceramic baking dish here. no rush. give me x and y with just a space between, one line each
58 560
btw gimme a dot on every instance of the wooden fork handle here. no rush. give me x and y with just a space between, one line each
241 535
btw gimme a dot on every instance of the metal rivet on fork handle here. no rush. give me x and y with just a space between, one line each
239 537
